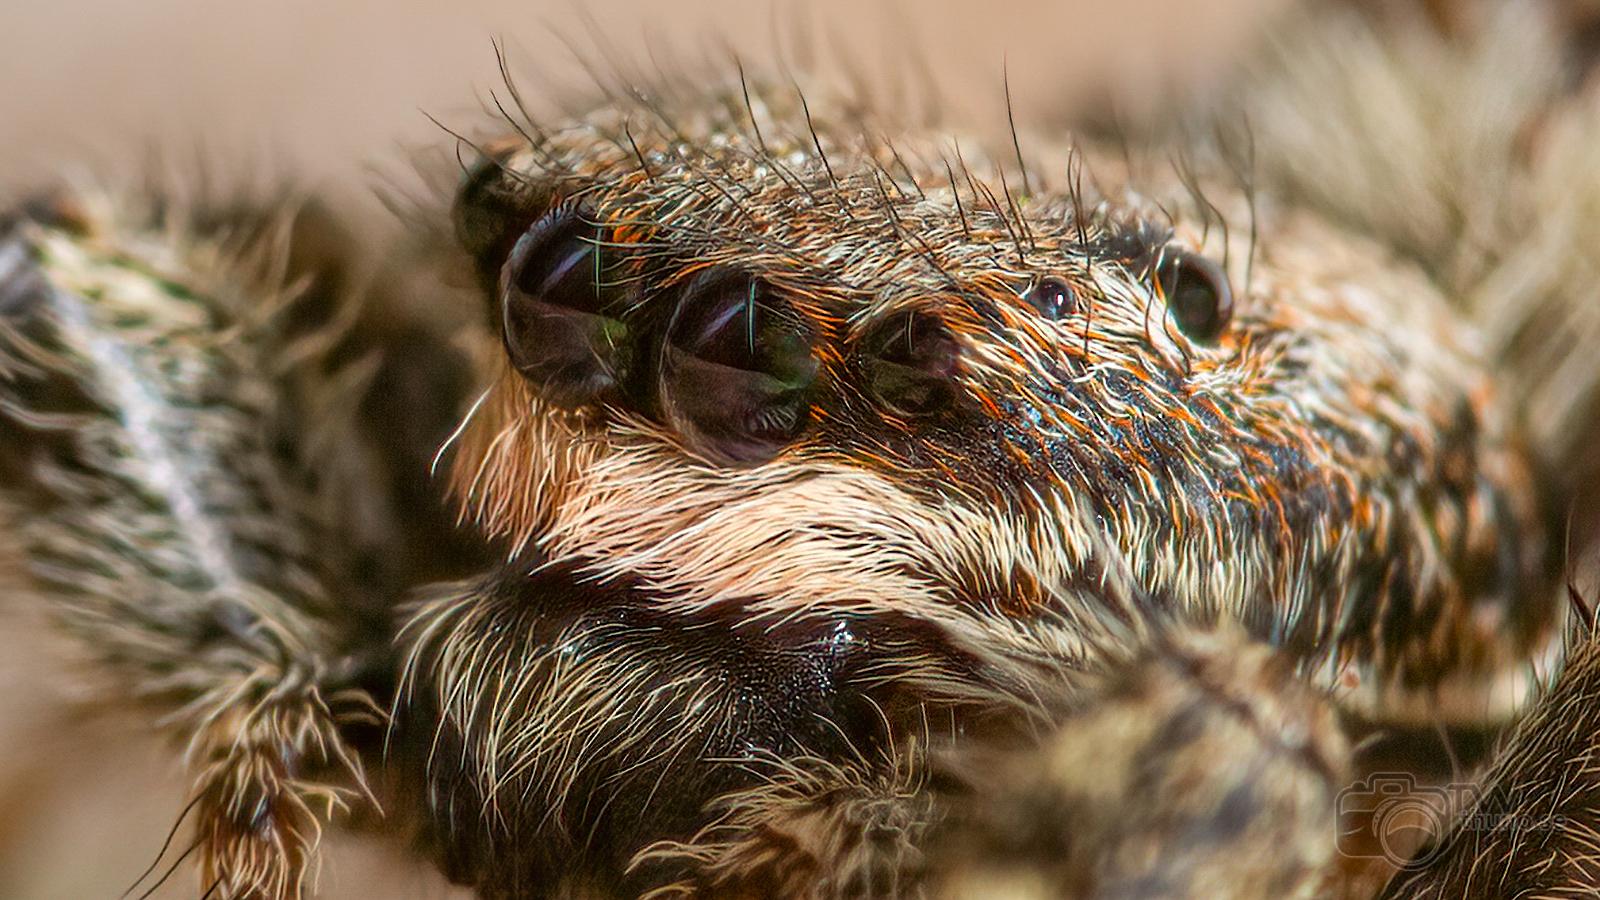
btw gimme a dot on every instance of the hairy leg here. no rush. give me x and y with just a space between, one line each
1198 767
1201 766
1534 827
163 392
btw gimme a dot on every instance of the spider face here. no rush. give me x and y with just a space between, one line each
797 439
814 378
861 517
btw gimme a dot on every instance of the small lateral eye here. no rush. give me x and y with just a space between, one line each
560 309
1052 298
1198 295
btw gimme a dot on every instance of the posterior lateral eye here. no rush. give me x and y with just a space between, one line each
494 207
1198 294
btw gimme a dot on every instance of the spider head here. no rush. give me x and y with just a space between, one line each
790 371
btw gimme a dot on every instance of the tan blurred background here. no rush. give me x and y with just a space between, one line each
322 88
326 91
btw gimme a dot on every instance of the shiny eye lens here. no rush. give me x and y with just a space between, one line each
560 307
1052 298
1198 295
909 363
559 261
738 369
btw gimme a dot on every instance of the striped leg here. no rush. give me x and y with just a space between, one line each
158 385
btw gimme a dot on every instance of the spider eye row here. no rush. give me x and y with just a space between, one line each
724 359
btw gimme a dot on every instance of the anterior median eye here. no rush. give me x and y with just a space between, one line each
738 368
1198 294
561 301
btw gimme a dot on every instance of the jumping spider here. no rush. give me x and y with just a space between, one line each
854 515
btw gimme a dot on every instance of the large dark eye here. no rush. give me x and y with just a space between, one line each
561 302
1052 298
1198 294
909 362
738 369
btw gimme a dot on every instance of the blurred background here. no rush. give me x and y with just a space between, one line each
321 89
326 93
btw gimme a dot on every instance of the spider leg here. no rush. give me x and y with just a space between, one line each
163 385
1532 825
1200 766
